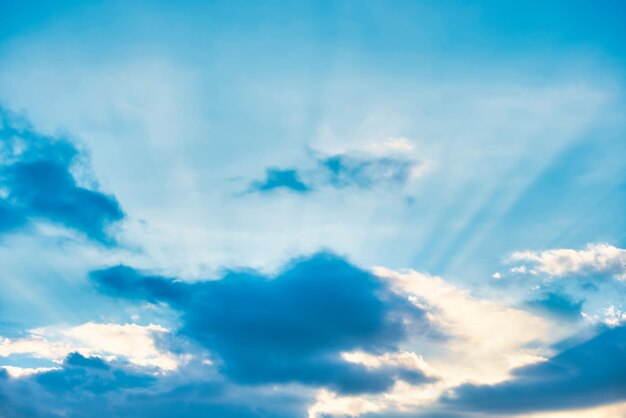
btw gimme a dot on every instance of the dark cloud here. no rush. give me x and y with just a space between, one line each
215 398
90 374
588 374
12 398
348 170
276 178
82 386
288 328
38 183
558 305
11 218
91 387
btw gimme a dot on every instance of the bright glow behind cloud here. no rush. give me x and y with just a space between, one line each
132 342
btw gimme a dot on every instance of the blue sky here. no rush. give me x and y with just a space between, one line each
312 209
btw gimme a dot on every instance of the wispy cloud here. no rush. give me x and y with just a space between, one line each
389 163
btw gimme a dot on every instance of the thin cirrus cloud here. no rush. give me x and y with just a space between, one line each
291 328
38 183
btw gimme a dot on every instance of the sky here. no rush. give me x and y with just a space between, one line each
316 209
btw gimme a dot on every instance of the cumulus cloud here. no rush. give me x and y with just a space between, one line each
292 327
71 390
90 374
589 374
321 322
484 340
603 259
38 182
90 386
484 349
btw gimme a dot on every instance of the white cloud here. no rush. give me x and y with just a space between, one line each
486 340
388 146
132 342
17 372
401 358
489 337
608 411
33 344
328 403
523 270
594 259
614 316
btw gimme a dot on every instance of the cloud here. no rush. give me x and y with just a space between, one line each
589 374
134 343
90 374
17 371
382 164
90 386
391 146
391 162
276 178
77 388
614 316
601 259
363 172
289 328
484 340
489 337
604 411
558 305
38 182
10 217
